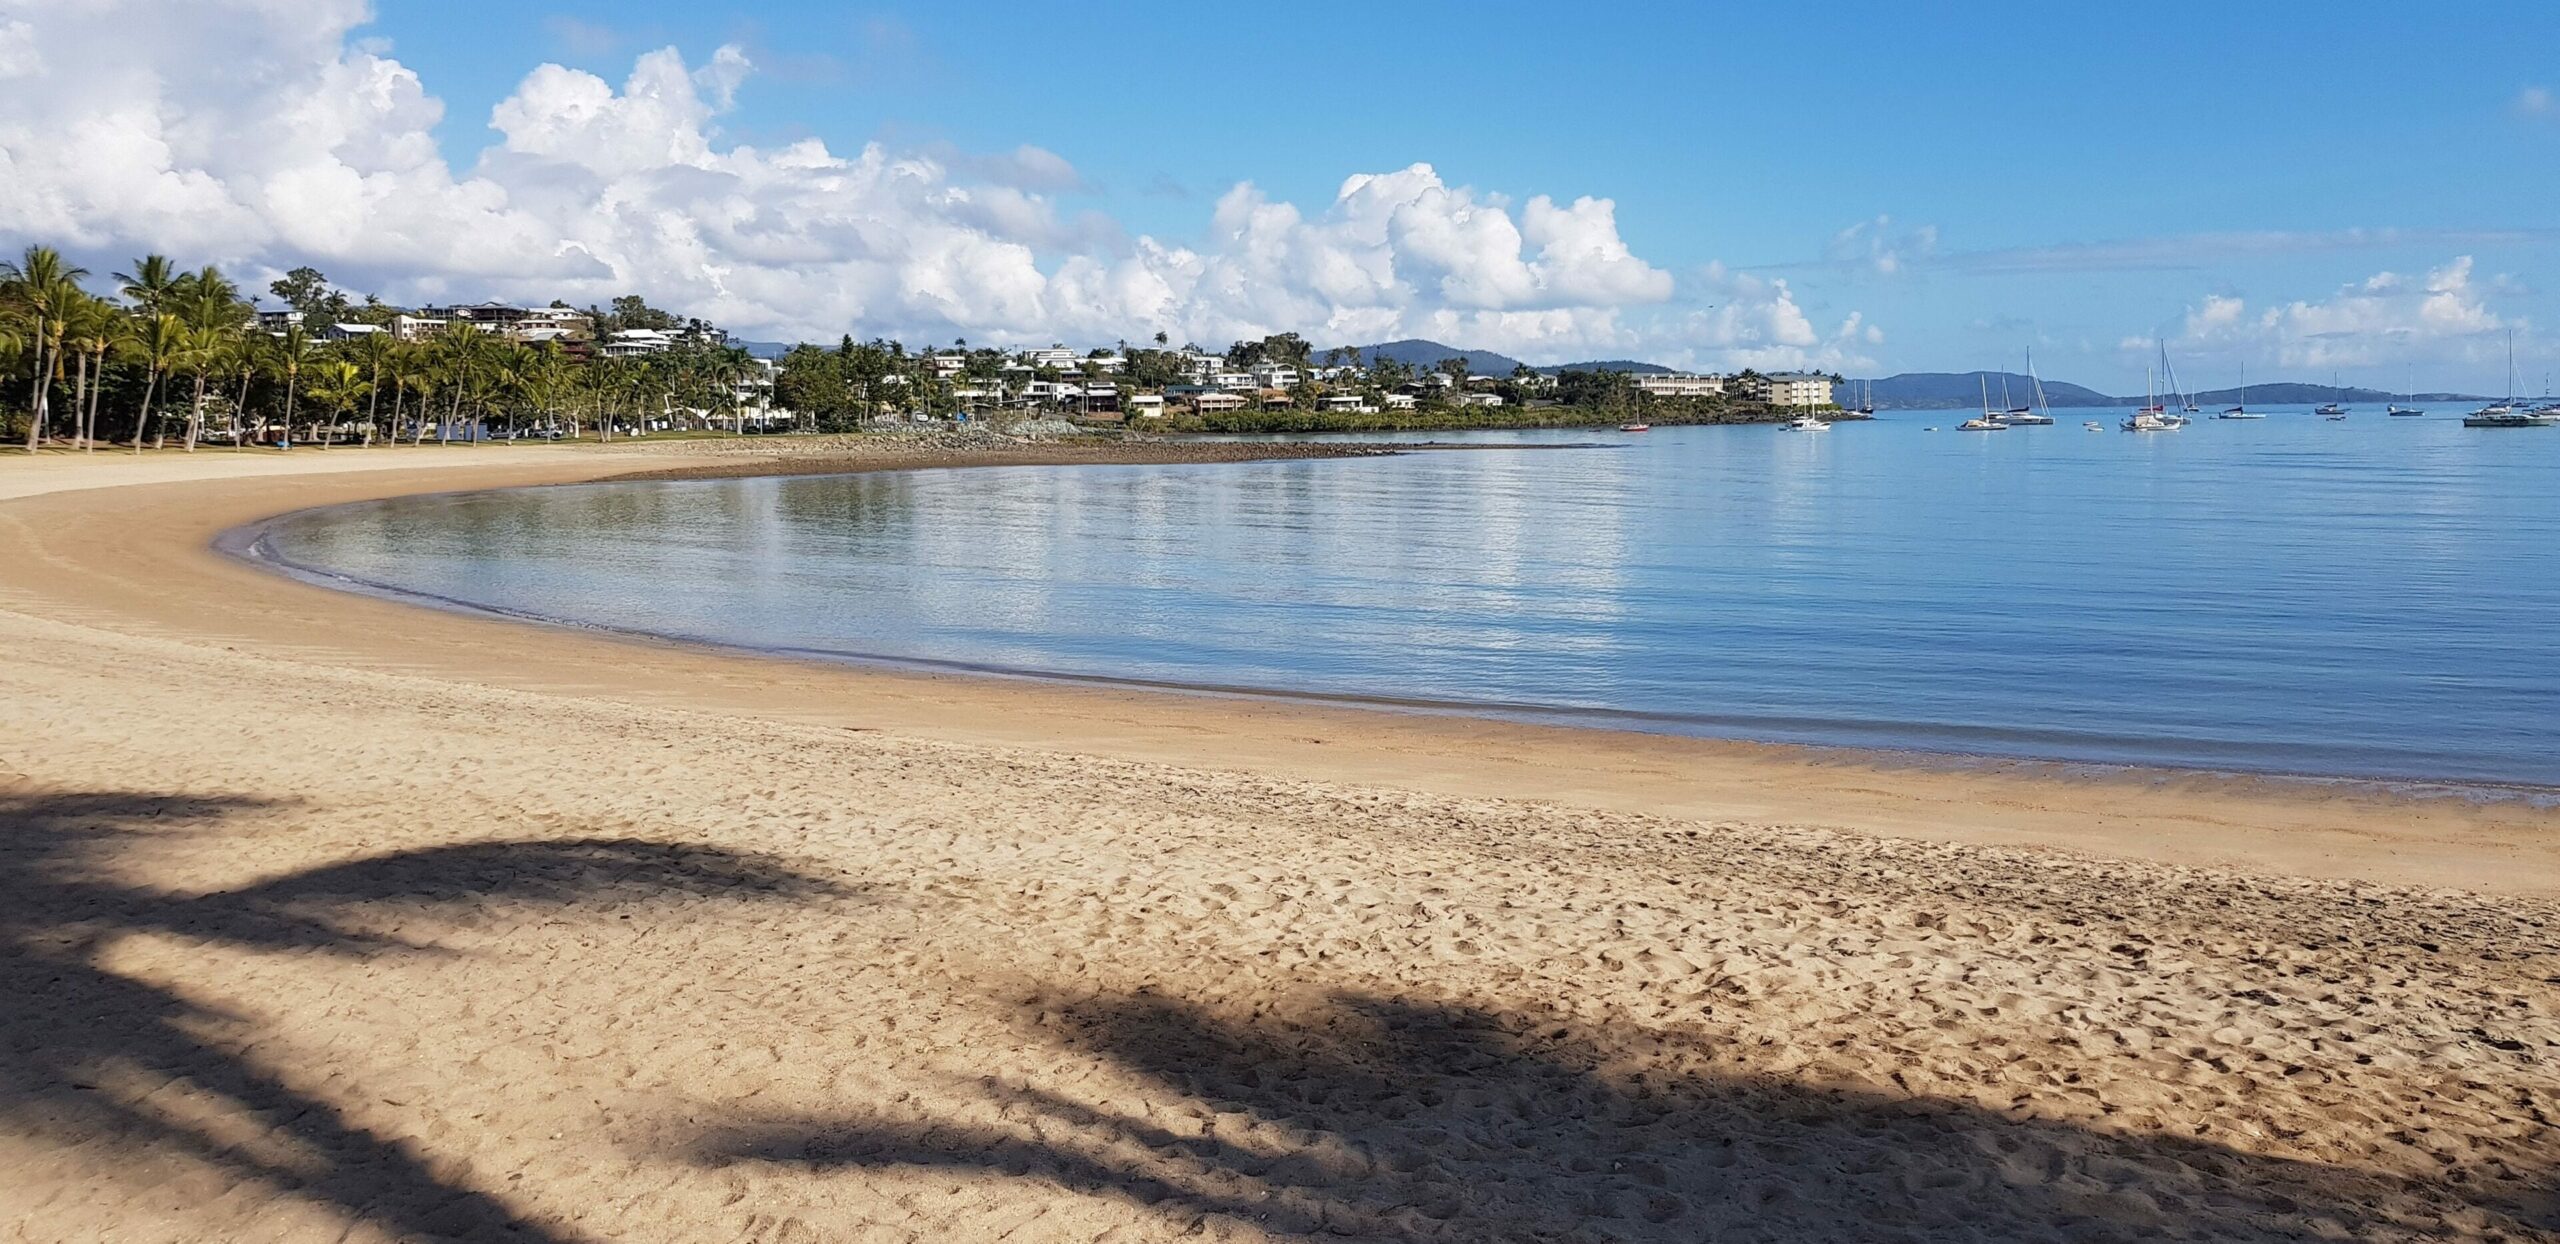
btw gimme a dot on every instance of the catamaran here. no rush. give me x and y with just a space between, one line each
2040 412
1987 421
2242 410
2153 417
1807 423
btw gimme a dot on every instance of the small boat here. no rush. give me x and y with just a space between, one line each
2093 425
1807 423
2330 410
1635 427
2410 411
2242 410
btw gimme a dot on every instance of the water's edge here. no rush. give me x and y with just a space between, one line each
251 544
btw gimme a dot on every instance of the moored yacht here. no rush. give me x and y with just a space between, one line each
1807 423
2242 410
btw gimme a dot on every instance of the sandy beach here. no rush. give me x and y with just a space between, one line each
328 917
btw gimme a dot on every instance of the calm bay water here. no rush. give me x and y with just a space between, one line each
2379 597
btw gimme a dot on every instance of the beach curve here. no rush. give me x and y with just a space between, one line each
811 945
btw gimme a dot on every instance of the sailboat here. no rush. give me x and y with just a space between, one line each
2153 417
2410 411
2037 414
2242 410
2511 413
1986 421
1867 400
2331 409
2169 372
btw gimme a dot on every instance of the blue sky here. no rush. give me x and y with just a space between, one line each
2293 187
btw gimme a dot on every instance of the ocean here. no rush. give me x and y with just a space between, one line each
2372 598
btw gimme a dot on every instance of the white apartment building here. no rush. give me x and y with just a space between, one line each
1679 384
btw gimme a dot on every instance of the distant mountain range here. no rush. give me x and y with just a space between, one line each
1427 355
1963 390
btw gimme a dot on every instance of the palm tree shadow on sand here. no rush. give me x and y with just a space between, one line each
1390 1119
92 1057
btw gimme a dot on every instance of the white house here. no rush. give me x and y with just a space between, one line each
634 342
409 327
1398 401
1146 405
1205 402
349 332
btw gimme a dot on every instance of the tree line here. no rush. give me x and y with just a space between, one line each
177 354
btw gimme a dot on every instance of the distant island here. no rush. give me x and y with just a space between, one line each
1963 390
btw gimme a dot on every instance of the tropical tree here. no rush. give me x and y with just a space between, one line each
462 355
334 385
48 287
160 344
153 282
286 353
210 305
91 327
375 352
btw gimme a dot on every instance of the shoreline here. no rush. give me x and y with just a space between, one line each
334 917
2369 829
248 544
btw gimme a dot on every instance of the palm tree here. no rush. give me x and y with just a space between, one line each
48 286
210 305
335 386
462 355
286 352
152 283
91 327
159 344
374 351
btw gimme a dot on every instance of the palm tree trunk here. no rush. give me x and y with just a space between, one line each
239 406
80 404
97 394
397 393
373 408
195 414
291 380
150 388
36 392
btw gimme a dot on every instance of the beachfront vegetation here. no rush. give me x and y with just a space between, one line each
159 353
180 356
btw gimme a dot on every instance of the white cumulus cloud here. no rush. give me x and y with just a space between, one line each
263 134
2442 317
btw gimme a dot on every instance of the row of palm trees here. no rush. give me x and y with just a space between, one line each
175 351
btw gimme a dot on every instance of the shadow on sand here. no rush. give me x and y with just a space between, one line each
1395 1120
92 1057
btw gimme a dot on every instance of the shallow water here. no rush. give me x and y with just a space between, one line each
2372 598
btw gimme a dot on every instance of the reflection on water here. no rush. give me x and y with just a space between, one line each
2289 595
